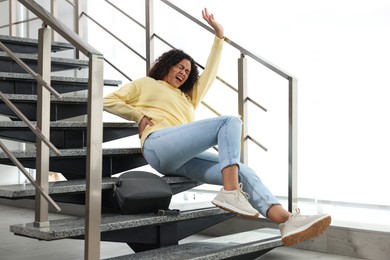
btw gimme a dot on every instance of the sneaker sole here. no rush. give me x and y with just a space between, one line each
312 231
235 211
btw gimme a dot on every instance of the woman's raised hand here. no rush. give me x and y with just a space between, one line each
209 18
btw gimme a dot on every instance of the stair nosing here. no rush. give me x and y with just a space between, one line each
28 56
30 97
74 152
67 124
74 227
18 191
30 41
208 249
25 76
15 191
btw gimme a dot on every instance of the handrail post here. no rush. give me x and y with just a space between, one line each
78 10
242 105
94 157
12 17
293 144
43 123
54 12
149 22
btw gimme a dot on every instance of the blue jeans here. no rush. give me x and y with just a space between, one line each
180 150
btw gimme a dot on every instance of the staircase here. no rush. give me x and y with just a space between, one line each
150 236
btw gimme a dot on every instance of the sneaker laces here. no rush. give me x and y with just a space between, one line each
296 213
240 191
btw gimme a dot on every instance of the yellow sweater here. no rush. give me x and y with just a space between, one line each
166 105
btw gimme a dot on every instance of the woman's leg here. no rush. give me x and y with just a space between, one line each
168 149
204 168
295 228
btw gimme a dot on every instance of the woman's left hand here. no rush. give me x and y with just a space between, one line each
209 18
145 121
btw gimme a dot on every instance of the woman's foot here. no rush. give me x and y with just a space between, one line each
235 201
299 228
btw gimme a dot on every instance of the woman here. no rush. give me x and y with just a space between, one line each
173 143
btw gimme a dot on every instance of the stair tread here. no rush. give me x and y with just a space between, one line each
75 226
59 187
224 247
67 124
15 191
61 108
72 162
66 134
14 43
68 80
28 56
73 152
33 98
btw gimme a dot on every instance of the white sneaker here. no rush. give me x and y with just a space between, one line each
299 228
235 201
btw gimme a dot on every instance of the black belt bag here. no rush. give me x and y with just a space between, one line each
142 192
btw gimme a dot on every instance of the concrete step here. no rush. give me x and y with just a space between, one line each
23 83
245 245
21 191
60 109
133 228
27 45
72 162
66 134
7 64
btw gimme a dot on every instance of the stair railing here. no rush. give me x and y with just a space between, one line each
94 128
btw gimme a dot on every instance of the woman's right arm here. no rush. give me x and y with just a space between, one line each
121 102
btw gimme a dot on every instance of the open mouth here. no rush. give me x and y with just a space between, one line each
180 79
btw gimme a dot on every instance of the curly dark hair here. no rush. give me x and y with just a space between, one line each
170 58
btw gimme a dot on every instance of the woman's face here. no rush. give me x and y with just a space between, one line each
178 74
